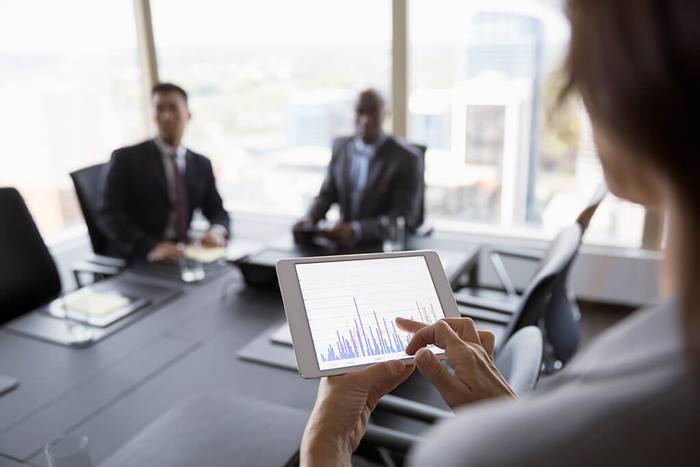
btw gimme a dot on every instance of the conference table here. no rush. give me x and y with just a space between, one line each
114 388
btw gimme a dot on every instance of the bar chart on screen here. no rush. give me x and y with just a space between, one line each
375 338
352 307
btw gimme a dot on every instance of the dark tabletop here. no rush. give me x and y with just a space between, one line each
113 389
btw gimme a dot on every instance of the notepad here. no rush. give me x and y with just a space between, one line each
205 254
95 303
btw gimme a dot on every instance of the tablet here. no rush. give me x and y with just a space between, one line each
341 309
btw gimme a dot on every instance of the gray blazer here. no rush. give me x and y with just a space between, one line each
631 399
392 187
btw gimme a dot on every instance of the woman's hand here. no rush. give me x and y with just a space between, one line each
469 352
343 406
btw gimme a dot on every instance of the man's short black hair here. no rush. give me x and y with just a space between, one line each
373 95
162 88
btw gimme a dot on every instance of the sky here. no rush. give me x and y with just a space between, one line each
85 25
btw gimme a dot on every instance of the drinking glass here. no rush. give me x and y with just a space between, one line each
191 270
394 233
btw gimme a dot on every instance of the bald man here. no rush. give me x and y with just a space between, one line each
371 175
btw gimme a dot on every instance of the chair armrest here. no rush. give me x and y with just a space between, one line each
92 268
465 299
412 409
97 270
485 315
519 253
106 261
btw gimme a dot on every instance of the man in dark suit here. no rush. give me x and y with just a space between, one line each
371 175
151 190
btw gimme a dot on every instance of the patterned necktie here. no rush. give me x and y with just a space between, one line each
180 200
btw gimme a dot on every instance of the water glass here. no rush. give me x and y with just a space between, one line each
191 270
68 451
394 233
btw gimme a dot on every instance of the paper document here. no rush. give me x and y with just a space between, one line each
95 303
205 254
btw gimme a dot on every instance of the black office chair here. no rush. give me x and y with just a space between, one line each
519 361
561 320
584 218
99 265
545 303
421 229
28 274
563 328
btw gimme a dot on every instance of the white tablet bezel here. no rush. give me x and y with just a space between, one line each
307 363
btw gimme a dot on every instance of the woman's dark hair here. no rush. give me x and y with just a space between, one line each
636 64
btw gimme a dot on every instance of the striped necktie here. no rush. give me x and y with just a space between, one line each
181 223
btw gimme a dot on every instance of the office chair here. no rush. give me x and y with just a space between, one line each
421 229
545 303
519 361
99 265
28 274
584 218
561 321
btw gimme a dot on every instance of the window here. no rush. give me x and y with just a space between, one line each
71 92
271 84
484 79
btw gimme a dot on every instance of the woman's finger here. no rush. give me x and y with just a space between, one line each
488 341
449 386
382 378
409 325
465 329
440 334
380 375
378 372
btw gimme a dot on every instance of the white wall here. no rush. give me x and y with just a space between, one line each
600 274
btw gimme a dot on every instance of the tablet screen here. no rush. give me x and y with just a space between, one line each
351 307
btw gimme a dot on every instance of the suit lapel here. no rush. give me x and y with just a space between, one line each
190 179
376 166
344 187
156 161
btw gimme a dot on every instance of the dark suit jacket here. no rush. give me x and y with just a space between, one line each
135 204
393 180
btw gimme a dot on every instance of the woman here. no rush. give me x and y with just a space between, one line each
633 398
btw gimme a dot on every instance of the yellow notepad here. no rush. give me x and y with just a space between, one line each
204 254
95 303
